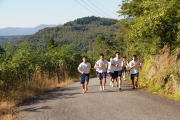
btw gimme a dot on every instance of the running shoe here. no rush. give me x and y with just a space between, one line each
103 88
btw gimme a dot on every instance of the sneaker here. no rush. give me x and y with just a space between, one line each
120 89
103 88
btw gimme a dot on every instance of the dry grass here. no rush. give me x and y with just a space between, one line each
6 110
31 89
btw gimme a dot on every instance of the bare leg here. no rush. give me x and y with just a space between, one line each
133 83
104 83
119 83
83 86
124 75
112 82
86 86
136 84
101 84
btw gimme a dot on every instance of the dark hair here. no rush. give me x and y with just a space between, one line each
117 53
101 54
84 57
111 56
135 56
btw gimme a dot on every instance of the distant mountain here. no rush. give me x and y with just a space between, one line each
13 31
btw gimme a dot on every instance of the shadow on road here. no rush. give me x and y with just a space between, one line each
36 109
51 95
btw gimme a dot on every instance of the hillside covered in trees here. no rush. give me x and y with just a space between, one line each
81 32
6 39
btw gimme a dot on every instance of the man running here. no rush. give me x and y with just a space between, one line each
102 65
134 66
110 71
118 63
84 69
124 69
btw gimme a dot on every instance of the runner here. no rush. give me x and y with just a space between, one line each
124 69
110 72
84 69
118 63
134 66
102 65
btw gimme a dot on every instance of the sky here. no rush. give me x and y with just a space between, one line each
30 13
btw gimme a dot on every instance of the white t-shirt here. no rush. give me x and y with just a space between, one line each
111 68
119 63
103 65
136 68
84 67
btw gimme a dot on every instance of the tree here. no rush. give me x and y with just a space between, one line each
154 24
2 50
52 43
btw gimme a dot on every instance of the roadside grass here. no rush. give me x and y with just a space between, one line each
164 82
29 89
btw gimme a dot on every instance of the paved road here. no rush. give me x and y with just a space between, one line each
69 104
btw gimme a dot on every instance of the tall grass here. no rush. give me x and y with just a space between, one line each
25 73
10 98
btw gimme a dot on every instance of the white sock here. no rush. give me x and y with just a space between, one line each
101 88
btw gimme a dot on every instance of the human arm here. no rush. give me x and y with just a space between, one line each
97 66
80 69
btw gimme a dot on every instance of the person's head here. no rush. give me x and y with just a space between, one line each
111 58
124 58
117 54
84 59
101 56
134 57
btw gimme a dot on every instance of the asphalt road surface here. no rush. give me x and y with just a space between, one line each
69 103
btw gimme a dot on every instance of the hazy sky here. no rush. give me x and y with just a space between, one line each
30 13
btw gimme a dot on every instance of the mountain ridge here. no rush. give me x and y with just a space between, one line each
81 32
14 31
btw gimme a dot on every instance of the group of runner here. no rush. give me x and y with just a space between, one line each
116 69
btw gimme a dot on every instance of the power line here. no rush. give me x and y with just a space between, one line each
103 7
92 8
99 8
88 9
